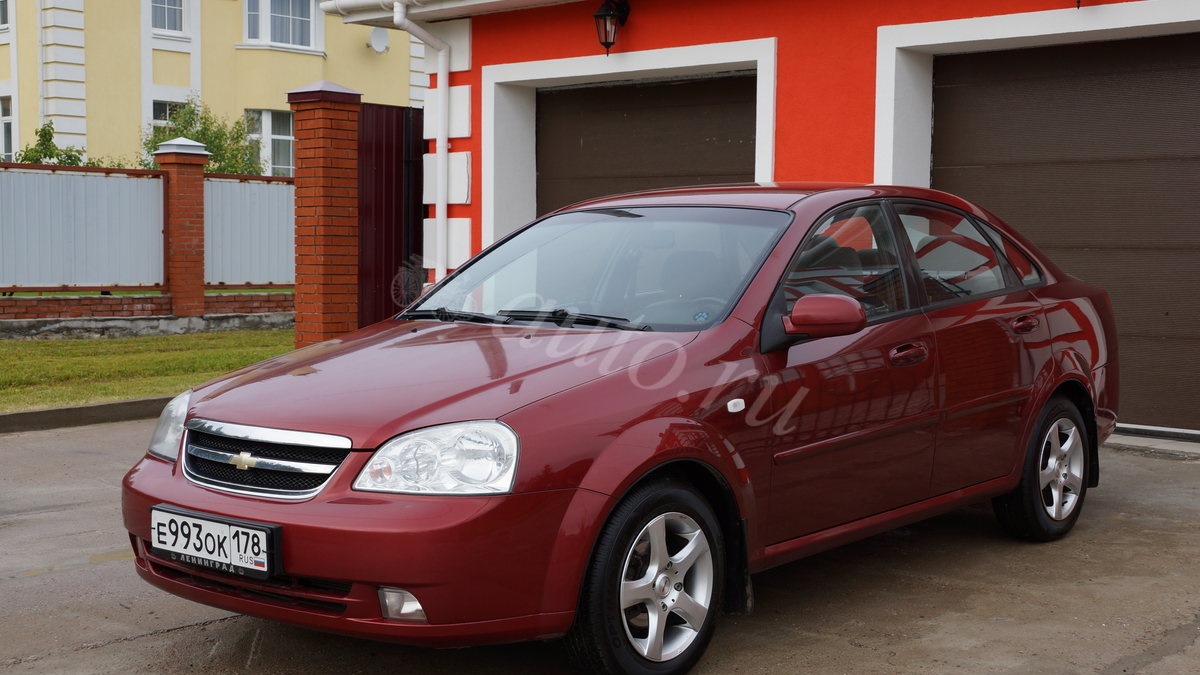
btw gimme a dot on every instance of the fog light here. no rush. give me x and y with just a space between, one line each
398 603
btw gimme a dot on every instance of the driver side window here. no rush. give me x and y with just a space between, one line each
851 253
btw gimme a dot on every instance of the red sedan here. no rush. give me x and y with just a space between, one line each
602 425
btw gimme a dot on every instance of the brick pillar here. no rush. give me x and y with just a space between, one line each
183 230
326 132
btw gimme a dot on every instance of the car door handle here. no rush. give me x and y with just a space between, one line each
1026 323
908 354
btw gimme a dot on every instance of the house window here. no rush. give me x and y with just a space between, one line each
3 13
281 22
164 111
6 127
167 15
273 131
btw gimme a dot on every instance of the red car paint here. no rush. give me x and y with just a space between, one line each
841 437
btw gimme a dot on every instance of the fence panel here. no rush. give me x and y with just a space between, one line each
249 232
80 228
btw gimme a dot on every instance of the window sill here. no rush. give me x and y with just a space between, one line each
291 49
160 34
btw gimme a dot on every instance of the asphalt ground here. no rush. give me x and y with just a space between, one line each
1121 594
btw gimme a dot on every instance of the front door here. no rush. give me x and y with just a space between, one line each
854 417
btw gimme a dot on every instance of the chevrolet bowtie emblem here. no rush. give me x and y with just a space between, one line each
243 461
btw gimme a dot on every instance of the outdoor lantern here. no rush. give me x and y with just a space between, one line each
609 18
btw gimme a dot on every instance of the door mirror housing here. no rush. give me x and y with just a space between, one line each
824 315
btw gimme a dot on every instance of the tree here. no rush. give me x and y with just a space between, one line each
44 151
232 150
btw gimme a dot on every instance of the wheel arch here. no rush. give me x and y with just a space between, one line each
1077 392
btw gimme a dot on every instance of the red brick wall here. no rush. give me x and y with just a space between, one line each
183 228
326 129
103 306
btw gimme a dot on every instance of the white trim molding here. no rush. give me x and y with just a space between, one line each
904 64
509 100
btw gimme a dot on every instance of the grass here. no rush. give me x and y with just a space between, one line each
151 292
38 374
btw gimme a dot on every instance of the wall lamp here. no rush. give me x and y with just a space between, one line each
609 19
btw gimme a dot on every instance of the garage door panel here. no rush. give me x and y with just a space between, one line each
570 191
1093 151
1154 291
599 140
1117 205
1092 119
1152 390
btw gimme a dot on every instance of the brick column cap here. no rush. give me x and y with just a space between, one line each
183 146
324 91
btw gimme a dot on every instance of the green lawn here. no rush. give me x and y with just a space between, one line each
37 374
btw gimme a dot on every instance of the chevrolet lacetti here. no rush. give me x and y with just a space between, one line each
603 425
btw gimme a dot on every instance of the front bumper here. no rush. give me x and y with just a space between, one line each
485 569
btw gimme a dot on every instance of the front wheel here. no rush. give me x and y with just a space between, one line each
1054 480
653 589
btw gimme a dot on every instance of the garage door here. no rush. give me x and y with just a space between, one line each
1094 152
593 141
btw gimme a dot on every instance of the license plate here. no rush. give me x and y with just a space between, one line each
220 544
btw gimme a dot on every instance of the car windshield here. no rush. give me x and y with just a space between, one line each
650 268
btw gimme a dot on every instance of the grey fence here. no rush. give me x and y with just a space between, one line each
80 229
249 232
103 229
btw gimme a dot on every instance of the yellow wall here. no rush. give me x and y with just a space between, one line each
236 80
5 64
172 69
28 104
113 61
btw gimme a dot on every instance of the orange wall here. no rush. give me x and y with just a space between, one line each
825 93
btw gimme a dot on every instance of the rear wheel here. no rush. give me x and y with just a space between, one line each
653 589
1054 481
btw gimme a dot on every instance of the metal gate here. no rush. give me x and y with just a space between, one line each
390 210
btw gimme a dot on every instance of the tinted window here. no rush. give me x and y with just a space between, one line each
1024 267
850 253
954 257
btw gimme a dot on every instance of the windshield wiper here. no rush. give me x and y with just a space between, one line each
567 319
445 314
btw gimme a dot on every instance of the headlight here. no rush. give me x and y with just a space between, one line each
460 458
165 441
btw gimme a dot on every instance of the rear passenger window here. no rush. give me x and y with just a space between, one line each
852 252
954 257
1024 267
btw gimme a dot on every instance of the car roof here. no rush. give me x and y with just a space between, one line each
755 195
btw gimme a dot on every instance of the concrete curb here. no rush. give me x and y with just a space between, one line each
100 413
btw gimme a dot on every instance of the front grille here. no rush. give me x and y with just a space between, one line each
260 461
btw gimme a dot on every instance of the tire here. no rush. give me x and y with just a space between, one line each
654 587
1054 480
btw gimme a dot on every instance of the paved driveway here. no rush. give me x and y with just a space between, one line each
950 595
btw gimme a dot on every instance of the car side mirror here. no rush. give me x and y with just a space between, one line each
825 315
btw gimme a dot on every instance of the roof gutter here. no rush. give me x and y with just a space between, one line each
399 9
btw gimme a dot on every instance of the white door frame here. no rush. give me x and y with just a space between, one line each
509 113
904 65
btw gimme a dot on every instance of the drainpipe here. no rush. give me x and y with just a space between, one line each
441 124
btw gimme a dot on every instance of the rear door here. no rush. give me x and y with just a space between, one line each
991 341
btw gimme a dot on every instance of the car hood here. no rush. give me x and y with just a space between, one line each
399 375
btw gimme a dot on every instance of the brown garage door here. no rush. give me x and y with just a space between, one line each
1094 152
594 141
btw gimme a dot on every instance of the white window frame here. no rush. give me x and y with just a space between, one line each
5 14
183 18
266 137
8 128
258 25
157 122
